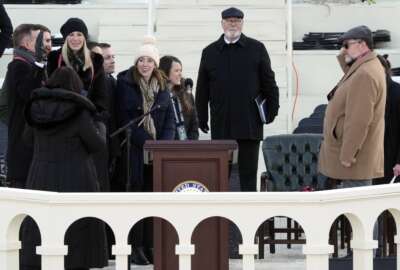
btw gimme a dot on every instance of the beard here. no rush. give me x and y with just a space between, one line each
232 34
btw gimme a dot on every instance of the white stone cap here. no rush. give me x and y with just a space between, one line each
119 250
364 245
10 246
248 249
184 249
317 249
52 250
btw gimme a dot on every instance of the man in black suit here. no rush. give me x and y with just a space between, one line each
233 71
5 28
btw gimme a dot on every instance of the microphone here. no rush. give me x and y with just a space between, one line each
188 85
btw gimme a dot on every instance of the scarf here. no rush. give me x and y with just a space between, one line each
76 61
149 91
26 54
30 58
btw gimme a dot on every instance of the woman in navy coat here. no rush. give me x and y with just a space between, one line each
140 89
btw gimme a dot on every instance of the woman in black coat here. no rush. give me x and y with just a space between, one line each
141 89
64 137
89 66
185 112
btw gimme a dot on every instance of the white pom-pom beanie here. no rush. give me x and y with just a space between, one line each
149 49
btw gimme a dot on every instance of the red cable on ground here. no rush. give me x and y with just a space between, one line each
297 89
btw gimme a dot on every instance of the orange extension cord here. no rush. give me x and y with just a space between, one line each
297 89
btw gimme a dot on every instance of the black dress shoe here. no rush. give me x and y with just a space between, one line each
138 257
149 252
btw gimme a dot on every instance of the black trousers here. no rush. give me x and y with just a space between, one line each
248 164
17 182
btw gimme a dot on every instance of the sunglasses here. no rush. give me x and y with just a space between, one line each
346 45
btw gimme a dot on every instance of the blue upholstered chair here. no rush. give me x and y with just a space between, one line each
292 165
313 123
292 162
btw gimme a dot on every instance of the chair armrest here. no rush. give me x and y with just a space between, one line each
264 179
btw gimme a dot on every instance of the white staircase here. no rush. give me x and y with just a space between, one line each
183 29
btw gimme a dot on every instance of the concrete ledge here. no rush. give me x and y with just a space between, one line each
52 250
317 249
10 246
364 245
121 250
248 249
185 249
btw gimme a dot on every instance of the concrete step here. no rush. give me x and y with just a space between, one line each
225 3
236 264
190 31
191 65
185 46
53 16
212 13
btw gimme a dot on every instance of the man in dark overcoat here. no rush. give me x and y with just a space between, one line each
392 126
233 71
113 144
6 29
24 74
5 39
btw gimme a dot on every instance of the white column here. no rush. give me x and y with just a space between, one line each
185 252
9 255
52 256
363 255
121 253
317 256
248 252
150 17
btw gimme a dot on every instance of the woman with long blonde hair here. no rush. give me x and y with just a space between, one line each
89 66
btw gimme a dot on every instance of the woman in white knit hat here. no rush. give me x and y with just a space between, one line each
140 89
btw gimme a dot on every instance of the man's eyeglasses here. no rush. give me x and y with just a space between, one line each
233 21
346 45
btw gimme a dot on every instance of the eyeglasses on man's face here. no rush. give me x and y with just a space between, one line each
347 44
233 20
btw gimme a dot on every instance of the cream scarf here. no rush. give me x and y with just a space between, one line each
149 91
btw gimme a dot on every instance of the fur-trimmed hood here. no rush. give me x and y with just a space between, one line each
49 108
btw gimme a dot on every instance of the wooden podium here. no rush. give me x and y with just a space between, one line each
176 166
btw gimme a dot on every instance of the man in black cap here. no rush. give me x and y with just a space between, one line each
6 29
352 149
233 71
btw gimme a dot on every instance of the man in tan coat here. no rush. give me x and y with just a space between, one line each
352 149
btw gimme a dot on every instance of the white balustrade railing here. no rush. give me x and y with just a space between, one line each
314 211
